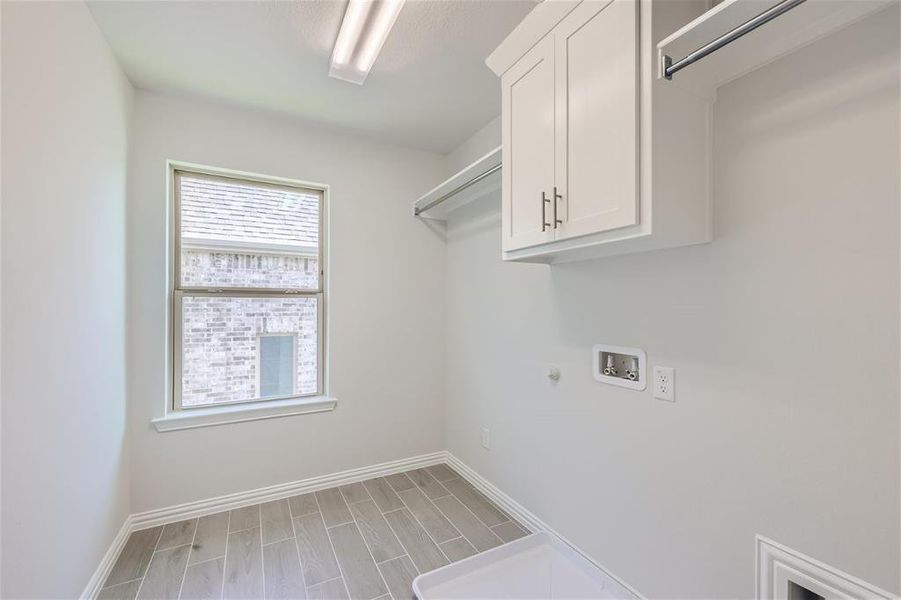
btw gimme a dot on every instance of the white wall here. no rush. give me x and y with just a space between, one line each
66 112
783 333
386 305
480 143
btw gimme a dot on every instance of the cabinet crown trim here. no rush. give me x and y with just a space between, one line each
529 32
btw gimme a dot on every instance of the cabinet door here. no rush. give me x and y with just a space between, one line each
597 117
528 138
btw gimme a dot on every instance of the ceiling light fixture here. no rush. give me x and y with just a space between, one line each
364 29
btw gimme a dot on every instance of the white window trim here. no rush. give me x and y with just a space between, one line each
246 411
174 419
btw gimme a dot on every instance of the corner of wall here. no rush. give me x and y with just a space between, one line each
478 144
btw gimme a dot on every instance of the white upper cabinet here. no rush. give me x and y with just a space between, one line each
585 120
528 173
597 115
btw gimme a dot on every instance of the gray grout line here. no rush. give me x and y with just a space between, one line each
440 549
366 545
400 541
422 489
332 544
241 530
397 557
322 582
262 562
477 516
473 514
206 561
509 518
287 539
159 537
228 525
450 494
338 524
106 587
155 545
493 503
368 498
188 559
404 473
291 512
508 521
173 547
303 577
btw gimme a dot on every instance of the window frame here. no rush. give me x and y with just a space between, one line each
177 292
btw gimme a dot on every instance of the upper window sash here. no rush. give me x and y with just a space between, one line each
288 249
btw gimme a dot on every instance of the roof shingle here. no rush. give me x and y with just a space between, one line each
213 209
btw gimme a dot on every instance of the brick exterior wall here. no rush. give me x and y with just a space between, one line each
234 269
220 336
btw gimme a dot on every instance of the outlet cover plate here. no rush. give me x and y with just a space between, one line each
665 383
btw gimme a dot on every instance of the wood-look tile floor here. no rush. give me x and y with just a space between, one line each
362 541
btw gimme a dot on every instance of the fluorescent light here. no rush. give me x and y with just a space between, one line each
382 24
354 18
363 31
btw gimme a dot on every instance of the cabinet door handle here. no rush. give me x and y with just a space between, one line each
544 203
556 198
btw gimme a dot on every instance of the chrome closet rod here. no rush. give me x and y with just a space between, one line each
456 190
670 68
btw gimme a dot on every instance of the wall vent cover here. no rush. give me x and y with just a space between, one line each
785 574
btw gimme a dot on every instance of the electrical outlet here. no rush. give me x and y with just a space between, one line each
665 383
486 438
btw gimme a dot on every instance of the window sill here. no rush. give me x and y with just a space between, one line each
237 413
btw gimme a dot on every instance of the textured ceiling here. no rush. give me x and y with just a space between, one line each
429 87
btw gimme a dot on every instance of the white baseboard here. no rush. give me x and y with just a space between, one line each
152 518
109 559
616 587
189 510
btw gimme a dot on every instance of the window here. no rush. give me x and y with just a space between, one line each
276 364
248 293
